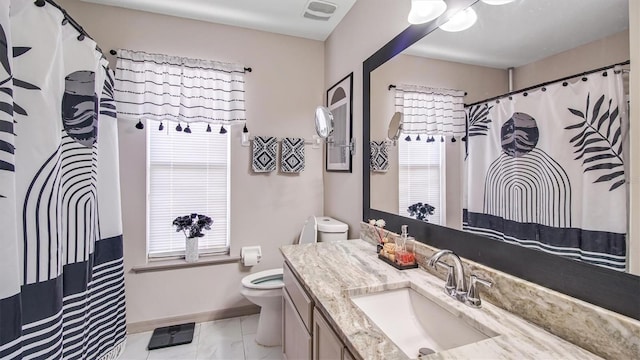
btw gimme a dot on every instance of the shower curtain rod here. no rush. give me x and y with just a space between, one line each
550 82
391 86
113 52
70 20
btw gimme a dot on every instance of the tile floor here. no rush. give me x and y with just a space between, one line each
228 339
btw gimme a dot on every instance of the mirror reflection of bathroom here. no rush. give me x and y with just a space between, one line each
447 169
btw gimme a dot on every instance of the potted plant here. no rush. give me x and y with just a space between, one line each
192 226
420 211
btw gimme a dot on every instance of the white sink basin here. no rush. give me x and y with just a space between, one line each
413 321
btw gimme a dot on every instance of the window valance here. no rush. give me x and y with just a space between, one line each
431 111
171 88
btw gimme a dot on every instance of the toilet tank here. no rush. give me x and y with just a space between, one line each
330 229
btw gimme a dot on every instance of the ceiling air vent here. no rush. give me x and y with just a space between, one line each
319 10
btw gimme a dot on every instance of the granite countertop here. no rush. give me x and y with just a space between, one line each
332 272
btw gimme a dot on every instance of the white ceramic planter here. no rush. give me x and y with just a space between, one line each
191 251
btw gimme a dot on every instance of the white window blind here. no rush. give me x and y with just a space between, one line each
188 173
421 176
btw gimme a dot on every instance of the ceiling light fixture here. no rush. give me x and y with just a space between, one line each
423 11
497 2
460 21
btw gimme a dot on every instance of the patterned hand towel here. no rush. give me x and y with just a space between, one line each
292 152
264 154
379 156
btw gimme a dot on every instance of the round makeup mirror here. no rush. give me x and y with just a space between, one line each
395 125
324 122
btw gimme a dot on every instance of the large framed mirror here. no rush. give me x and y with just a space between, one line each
481 63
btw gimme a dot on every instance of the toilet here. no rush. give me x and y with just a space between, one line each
331 229
264 288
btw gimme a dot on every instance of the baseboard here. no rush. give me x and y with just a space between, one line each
143 326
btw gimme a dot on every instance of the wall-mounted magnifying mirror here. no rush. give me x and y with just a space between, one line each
325 127
324 122
395 127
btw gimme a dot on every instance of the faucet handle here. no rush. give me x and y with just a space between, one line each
473 296
450 285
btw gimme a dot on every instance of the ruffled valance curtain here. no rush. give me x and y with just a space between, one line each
171 88
431 111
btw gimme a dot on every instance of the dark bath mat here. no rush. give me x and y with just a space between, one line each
171 336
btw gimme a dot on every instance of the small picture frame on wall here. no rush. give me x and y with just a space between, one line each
340 102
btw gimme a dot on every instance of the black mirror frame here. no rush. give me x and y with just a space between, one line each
609 289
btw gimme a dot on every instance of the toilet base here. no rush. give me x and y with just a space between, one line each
270 326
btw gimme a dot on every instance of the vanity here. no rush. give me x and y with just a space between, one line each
339 295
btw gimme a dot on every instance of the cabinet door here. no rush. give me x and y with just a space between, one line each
326 344
296 341
301 301
346 355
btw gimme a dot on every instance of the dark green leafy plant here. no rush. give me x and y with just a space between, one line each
192 225
599 142
420 211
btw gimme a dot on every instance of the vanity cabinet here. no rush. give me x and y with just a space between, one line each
296 341
306 334
297 314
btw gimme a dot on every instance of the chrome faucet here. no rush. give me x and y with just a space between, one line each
455 274
455 285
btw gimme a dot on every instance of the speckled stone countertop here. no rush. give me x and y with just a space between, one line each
332 272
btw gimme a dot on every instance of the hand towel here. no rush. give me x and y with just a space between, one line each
292 155
379 156
264 154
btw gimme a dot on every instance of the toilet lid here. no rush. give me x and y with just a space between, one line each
309 234
264 280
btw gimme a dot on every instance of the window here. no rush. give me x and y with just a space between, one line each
187 173
421 176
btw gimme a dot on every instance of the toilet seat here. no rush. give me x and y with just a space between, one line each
264 280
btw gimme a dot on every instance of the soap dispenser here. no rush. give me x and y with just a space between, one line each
403 255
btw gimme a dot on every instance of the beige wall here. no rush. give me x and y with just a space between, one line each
479 83
606 51
286 85
368 25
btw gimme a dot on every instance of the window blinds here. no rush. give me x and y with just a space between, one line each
188 173
421 177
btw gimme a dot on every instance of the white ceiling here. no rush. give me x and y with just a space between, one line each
277 16
524 31
504 36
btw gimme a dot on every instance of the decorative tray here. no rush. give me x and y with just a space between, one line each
399 267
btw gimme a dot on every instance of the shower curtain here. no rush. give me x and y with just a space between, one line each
545 169
61 275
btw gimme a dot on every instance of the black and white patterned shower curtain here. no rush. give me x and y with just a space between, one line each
61 274
545 169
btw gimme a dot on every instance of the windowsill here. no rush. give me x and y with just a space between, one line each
163 265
